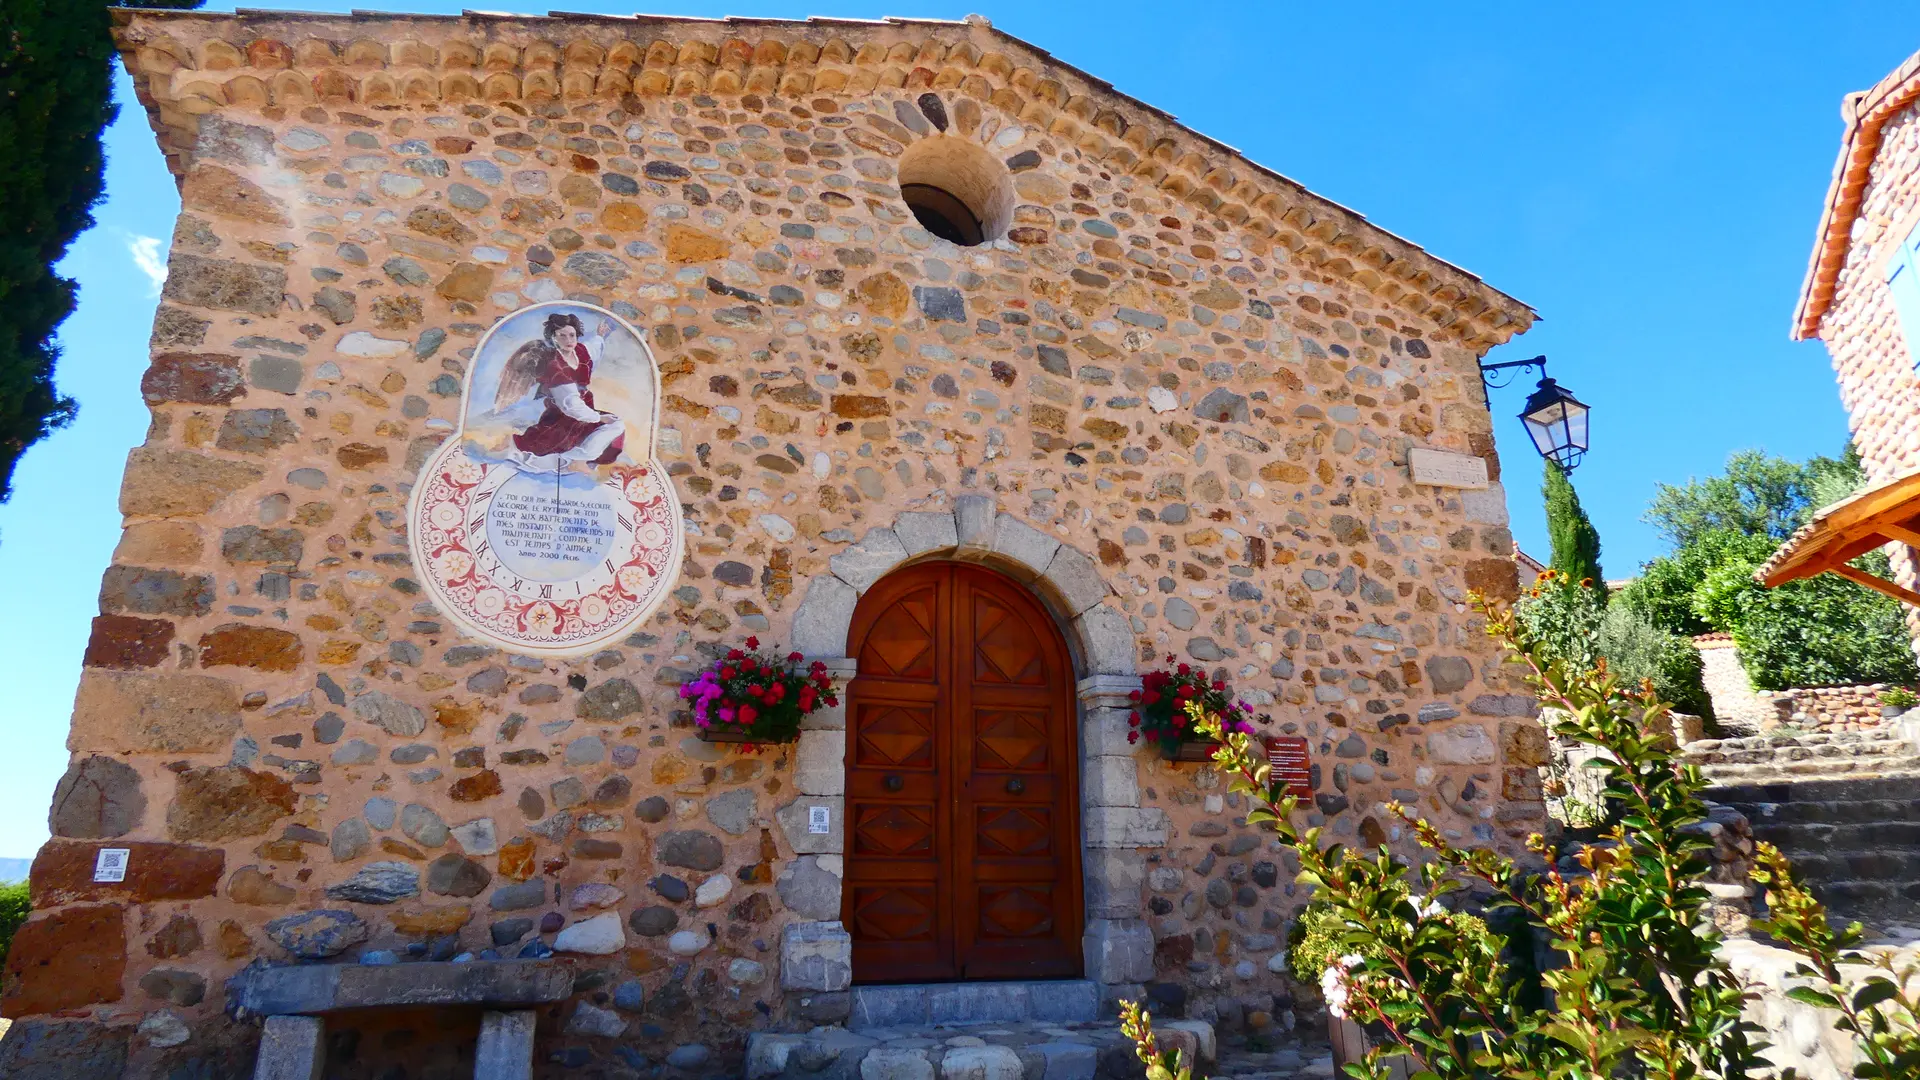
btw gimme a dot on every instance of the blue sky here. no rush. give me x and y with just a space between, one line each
1647 176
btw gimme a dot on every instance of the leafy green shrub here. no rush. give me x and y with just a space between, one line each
1899 697
15 906
1636 649
1819 631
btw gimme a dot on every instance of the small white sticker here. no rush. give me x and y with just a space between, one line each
816 819
111 865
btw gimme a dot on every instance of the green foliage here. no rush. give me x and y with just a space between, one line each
1899 697
1639 988
1822 631
1564 616
55 83
1576 544
1636 649
1819 631
15 906
1759 496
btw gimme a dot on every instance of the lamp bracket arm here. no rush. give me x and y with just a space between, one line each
1500 376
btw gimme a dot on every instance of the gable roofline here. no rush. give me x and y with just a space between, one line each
1865 114
185 63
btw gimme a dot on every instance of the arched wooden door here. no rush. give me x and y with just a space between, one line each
963 794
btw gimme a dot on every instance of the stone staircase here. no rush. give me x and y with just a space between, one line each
1781 757
1005 1031
1844 806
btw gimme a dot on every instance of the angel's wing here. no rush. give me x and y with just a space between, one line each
520 375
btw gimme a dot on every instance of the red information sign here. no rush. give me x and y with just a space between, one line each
1288 756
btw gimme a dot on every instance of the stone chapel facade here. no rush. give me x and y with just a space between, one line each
1165 406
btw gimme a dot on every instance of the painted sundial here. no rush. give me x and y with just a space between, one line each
546 524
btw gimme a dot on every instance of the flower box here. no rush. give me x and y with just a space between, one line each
1161 713
751 697
1188 750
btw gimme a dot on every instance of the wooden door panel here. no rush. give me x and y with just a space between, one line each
962 783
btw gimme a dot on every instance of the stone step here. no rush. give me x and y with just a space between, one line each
1049 1051
1889 864
1762 742
1880 790
1822 768
919 1005
1822 752
1867 835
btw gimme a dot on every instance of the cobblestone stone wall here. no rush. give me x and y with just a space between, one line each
1213 406
1873 355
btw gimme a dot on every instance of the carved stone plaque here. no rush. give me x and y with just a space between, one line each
1441 469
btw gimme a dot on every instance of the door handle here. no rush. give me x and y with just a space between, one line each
893 782
1016 786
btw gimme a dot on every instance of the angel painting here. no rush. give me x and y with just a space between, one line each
555 374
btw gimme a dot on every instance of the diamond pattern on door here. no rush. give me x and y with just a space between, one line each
1004 648
1010 740
893 829
1016 830
901 642
892 913
892 736
1019 911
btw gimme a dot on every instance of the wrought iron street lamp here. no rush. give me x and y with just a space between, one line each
1555 419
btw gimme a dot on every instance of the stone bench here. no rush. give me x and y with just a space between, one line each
296 1001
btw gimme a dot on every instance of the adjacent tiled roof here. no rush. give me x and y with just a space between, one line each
185 63
1865 113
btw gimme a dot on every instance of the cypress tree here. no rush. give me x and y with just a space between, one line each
56 84
1576 544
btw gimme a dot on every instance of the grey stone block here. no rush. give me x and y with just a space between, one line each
815 956
66 1050
1118 950
981 1063
505 1050
866 562
820 763
889 1007
1103 732
973 518
1069 1061
1025 548
1073 1001
1125 827
1107 691
313 989
291 1048
793 821
1110 781
1075 580
1114 878
978 1003
1106 640
921 531
896 1063
820 622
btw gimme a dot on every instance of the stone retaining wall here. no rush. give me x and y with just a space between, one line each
1186 432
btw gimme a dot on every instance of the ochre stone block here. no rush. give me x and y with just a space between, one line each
127 642
686 244
227 801
63 872
66 959
174 483
264 648
137 712
1495 579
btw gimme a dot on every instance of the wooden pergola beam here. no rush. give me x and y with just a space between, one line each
1879 585
1901 533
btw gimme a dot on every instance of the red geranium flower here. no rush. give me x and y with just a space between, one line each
753 642
794 658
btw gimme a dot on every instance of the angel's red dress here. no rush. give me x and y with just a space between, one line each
556 432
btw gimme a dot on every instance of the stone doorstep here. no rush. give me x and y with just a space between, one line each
316 989
1049 1051
1061 1001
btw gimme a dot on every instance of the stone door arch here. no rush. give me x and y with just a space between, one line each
1116 831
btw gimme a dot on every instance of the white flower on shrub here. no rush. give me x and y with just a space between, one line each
1335 987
